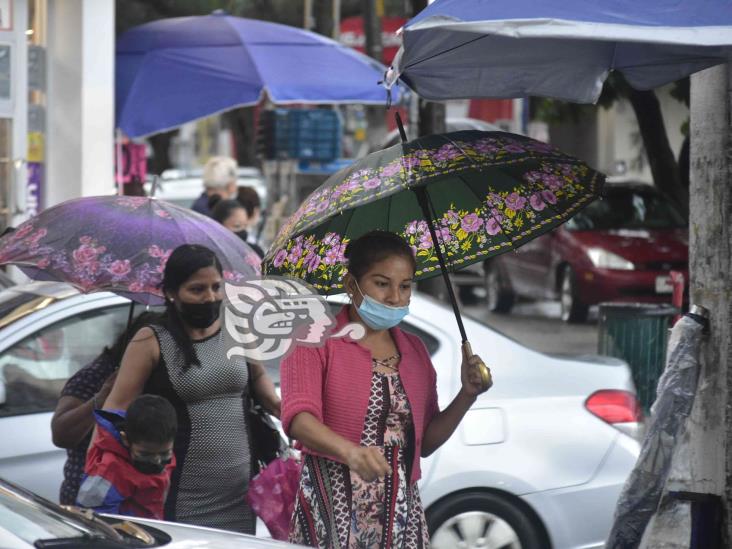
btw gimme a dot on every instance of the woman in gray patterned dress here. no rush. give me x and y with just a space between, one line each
183 359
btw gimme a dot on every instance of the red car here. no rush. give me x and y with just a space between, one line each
619 248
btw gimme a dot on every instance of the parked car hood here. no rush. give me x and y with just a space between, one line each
194 537
638 245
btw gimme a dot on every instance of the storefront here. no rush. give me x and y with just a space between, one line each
56 103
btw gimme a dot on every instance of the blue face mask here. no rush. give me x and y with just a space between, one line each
378 316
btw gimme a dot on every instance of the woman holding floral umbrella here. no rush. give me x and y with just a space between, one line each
367 411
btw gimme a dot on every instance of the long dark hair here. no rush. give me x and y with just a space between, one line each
182 264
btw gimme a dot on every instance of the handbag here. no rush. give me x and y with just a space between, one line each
265 441
272 493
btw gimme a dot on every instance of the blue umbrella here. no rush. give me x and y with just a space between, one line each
562 49
172 71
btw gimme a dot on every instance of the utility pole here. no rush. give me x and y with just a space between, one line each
702 461
710 265
373 10
336 19
308 21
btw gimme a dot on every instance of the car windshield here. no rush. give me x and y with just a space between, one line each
628 208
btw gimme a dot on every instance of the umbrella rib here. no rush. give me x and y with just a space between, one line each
415 63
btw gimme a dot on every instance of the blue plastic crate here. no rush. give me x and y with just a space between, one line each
315 134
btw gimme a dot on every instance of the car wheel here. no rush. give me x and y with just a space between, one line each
482 520
499 299
572 307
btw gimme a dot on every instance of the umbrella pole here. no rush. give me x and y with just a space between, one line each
483 370
402 133
424 204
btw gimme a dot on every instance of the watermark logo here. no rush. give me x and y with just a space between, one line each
265 318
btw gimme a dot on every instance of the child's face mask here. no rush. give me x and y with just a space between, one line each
150 459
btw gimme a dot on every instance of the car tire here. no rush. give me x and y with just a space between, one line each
482 519
572 308
498 298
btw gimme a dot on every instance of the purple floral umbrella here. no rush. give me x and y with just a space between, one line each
119 244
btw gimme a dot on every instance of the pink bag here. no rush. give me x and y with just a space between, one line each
272 494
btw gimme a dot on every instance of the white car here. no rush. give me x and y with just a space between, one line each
537 463
28 521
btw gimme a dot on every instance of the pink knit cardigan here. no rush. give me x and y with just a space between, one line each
333 383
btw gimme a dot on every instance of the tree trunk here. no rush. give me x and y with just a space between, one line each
431 115
241 123
661 158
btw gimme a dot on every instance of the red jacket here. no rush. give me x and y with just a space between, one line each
111 484
333 383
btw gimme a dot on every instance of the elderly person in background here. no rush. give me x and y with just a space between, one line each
219 177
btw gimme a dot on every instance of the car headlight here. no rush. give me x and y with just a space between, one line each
602 259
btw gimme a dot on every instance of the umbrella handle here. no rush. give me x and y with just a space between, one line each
486 378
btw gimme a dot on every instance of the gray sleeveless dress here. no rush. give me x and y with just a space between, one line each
212 446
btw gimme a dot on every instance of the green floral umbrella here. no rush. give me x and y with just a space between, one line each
486 193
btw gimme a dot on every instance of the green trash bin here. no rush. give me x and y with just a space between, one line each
638 334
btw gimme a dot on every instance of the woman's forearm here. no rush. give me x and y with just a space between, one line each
72 422
312 433
443 425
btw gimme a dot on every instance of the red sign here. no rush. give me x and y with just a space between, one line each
351 34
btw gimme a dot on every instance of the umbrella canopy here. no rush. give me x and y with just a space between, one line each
487 193
119 244
172 71
513 48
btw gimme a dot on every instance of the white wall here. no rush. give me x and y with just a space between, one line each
80 124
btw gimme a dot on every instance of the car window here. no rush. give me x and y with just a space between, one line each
35 369
628 209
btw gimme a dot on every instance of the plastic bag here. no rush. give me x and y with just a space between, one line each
272 494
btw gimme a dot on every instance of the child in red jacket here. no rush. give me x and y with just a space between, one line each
130 460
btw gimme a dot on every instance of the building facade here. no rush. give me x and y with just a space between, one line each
56 103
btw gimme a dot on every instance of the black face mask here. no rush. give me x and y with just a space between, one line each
243 234
200 315
150 467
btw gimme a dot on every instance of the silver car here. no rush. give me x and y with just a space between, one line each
28 521
538 462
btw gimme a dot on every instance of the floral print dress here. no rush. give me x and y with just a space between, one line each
336 509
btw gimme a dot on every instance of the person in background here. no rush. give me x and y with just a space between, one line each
366 411
184 359
85 391
219 177
249 198
232 215
130 461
